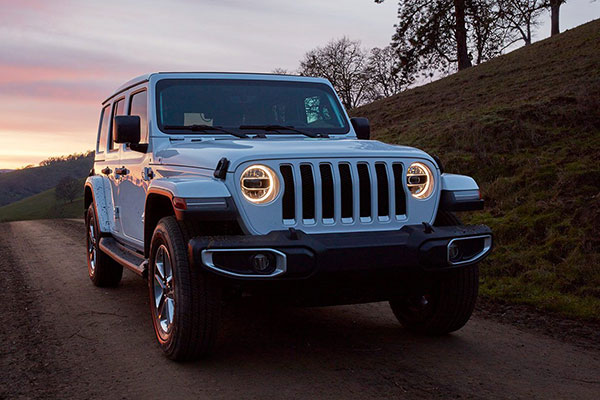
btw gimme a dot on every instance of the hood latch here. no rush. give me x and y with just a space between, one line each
221 170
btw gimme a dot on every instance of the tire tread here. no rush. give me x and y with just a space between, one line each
198 307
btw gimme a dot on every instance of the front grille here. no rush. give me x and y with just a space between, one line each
342 192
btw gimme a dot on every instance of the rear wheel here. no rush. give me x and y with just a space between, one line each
444 303
185 302
102 270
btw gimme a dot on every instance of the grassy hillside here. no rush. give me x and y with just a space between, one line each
19 184
42 206
527 126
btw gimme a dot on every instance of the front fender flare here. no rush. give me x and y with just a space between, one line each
455 183
460 193
196 187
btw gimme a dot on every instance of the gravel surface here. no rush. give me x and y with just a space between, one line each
64 338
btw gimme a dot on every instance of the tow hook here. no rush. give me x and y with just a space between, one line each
428 227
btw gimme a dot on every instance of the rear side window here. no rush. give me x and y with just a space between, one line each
118 109
138 106
103 130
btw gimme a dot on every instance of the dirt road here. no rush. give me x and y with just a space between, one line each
64 338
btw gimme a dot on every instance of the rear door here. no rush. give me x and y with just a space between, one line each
100 164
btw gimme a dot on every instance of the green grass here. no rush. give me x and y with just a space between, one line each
22 183
526 126
41 206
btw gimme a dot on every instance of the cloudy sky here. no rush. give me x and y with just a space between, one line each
60 58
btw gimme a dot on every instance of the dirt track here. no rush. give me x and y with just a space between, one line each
64 338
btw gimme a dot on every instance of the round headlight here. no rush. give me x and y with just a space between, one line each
259 184
419 180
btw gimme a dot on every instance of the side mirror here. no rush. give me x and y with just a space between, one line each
127 129
361 127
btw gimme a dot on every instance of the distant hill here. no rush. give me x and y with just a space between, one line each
19 184
42 206
526 125
3 171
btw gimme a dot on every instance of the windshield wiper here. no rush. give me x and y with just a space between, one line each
204 128
279 128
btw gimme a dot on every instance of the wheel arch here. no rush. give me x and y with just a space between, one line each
88 197
159 204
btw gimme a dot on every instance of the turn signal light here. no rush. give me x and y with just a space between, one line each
179 203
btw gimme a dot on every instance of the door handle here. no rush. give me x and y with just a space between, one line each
106 171
121 171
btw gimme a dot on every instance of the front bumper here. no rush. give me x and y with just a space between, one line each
295 255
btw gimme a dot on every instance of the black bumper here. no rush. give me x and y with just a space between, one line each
411 249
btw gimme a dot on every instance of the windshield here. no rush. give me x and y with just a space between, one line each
192 105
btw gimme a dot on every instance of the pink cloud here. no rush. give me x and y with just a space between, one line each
22 73
78 92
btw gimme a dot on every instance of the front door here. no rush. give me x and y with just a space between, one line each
111 166
133 183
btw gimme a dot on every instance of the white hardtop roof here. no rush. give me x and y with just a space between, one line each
214 75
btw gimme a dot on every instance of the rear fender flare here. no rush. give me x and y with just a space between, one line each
102 201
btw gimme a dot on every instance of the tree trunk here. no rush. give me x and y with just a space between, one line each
461 35
554 11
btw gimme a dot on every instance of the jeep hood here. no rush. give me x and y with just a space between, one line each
207 153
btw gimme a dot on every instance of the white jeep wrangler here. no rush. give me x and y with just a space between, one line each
214 185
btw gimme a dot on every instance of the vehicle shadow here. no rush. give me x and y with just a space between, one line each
252 327
329 348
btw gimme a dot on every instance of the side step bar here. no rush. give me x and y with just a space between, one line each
124 256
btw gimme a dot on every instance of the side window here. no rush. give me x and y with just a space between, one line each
138 106
118 109
103 130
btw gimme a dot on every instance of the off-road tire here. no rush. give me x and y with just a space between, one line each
103 271
197 297
449 297
446 218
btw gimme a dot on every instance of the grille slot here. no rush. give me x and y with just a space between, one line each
346 190
383 199
289 194
400 196
364 185
327 191
308 192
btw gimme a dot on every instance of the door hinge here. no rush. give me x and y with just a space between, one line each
117 213
147 174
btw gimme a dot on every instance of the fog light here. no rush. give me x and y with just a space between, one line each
261 262
454 252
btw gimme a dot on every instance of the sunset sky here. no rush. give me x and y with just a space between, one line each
59 59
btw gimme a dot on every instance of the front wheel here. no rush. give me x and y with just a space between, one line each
185 302
444 305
